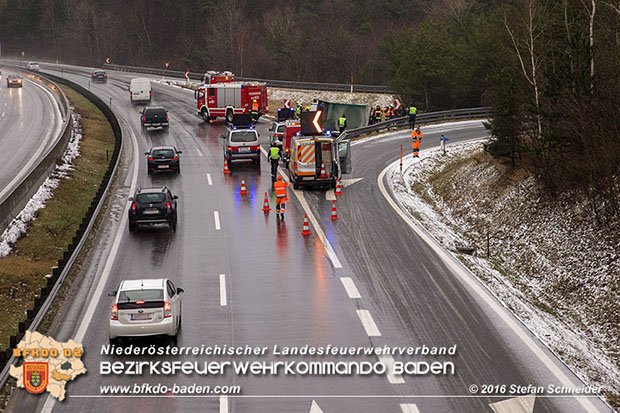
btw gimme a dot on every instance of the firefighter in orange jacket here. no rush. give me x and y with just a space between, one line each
416 137
280 187
255 111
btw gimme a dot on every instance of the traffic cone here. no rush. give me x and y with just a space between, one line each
243 191
226 170
323 173
334 212
306 229
266 206
338 190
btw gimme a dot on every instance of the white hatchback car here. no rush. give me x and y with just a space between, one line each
33 66
145 308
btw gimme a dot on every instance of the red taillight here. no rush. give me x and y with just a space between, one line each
167 310
114 315
144 118
105 75
133 207
140 302
295 165
166 116
130 94
150 158
176 158
168 206
150 93
254 148
230 149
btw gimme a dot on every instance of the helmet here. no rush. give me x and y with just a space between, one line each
254 100
279 177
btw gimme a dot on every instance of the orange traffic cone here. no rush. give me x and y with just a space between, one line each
266 206
226 170
306 229
338 190
243 191
323 173
334 212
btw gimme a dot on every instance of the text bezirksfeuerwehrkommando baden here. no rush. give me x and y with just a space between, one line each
275 350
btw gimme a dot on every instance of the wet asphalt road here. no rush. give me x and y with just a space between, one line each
29 124
282 288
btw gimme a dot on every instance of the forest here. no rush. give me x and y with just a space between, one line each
549 68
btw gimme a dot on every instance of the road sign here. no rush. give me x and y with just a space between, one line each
187 74
166 64
287 103
107 60
397 104
23 53
312 123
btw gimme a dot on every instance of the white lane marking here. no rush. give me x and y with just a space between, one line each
314 407
349 182
479 289
223 404
223 300
317 228
523 404
349 285
209 179
199 152
90 311
3 114
216 216
330 195
389 363
409 408
369 324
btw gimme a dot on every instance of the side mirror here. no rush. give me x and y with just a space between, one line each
179 151
222 136
271 129
130 198
175 197
180 290
147 153
112 293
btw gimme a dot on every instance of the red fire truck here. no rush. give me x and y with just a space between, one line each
218 77
229 99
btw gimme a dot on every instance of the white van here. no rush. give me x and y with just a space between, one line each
140 90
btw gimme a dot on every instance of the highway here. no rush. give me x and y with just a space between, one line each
368 281
30 122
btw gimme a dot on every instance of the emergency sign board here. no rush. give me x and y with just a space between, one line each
312 123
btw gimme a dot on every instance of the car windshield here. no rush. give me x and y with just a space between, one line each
280 129
141 295
166 153
156 113
243 136
98 73
151 198
13 77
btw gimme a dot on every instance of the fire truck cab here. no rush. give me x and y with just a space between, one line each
318 161
228 99
211 77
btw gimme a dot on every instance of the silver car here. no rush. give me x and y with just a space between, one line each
142 308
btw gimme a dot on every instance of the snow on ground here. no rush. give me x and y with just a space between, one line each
19 225
550 265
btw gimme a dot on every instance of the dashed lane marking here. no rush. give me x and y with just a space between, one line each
369 324
223 300
409 408
209 181
216 217
389 363
199 151
349 285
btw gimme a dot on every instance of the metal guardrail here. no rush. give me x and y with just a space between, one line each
421 118
284 84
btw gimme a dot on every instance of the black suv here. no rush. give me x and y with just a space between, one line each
163 158
153 206
99 76
154 117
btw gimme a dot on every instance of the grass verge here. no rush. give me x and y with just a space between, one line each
22 272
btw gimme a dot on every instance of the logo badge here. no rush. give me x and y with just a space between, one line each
35 377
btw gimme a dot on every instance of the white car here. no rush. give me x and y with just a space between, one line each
143 308
33 66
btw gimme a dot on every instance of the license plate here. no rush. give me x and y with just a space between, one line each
308 178
244 149
140 316
151 211
163 166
